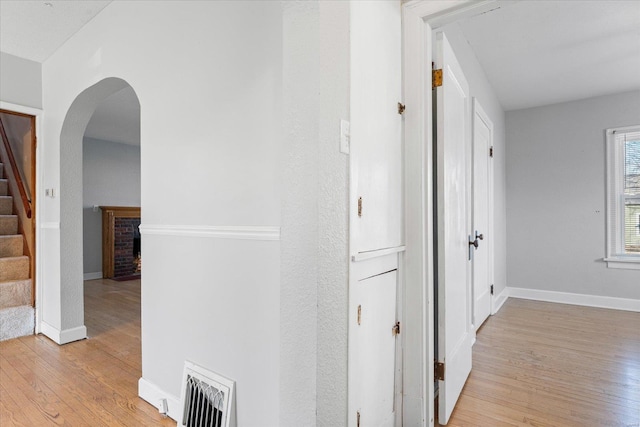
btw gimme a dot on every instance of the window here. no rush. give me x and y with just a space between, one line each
623 197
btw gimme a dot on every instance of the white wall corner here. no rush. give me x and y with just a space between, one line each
499 300
626 304
153 394
93 276
66 336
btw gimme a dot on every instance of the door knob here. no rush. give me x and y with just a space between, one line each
479 236
473 243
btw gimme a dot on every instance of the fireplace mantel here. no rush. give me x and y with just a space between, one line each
109 215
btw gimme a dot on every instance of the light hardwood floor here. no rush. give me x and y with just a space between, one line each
93 382
535 364
544 364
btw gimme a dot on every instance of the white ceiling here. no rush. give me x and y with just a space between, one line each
534 52
545 52
34 30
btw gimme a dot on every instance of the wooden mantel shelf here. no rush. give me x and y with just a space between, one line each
109 215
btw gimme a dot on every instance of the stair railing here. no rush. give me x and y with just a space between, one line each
14 167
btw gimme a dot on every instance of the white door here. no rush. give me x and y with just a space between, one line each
375 343
482 214
455 330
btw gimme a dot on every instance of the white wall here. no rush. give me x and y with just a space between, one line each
556 196
110 177
20 81
208 77
333 196
480 88
224 143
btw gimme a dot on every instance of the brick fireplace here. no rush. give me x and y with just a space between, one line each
120 240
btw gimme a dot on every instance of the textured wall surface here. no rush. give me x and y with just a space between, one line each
299 272
556 196
333 208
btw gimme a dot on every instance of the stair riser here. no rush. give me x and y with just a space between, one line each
16 322
15 294
6 205
4 188
11 246
15 268
8 225
1 170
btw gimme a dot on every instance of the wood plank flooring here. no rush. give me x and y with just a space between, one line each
544 364
93 382
534 364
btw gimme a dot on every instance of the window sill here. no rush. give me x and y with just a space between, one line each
623 262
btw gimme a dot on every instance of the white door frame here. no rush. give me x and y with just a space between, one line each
420 18
37 113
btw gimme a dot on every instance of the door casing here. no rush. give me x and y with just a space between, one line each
37 113
420 18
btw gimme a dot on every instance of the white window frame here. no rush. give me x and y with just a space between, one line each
616 256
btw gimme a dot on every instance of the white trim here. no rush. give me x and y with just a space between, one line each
63 337
93 276
626 304
361 256
498 301
220 232
38 114
621 262
50 225
153 394
20 108
419 19
615 211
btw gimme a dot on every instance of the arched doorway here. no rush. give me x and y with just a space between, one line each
71 204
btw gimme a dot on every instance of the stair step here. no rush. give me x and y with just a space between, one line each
16 322
14 268
8 224
11 246
4 187
6 205
15 293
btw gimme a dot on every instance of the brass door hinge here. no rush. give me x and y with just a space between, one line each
491 151
401 108
359 314
359 206
491 289
396 329
436 78
438 371
358 419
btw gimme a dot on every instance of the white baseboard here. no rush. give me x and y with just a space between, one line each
93 276
576 299
499 300
153 394
65 336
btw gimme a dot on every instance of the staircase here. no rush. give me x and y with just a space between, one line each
17 317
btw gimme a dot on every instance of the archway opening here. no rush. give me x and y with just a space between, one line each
79 208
